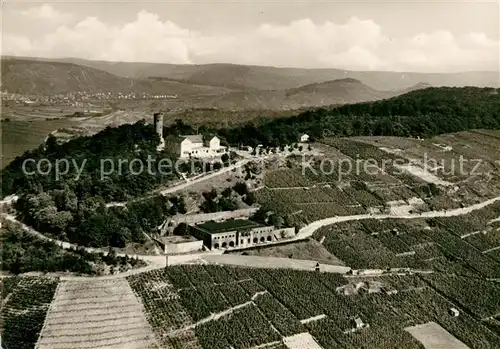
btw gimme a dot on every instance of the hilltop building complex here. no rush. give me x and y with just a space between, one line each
195 146
238 233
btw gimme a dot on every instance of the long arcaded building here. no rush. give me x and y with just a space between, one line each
238 233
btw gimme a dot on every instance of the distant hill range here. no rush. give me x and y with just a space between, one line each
327 93
226 86
272 78
49 78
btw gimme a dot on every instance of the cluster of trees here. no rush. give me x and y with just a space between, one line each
215 203
89 222
422 113
228 199
266 215
73 206
112 150
116 164
23 252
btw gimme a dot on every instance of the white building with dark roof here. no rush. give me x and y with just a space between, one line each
304 138
195 146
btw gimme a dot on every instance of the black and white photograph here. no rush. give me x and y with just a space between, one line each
250 174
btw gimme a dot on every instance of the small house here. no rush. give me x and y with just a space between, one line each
304 138
454 312
358 323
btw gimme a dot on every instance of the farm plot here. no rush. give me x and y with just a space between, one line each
357 248
454 246
235 293
398 236
300 341
291 296
433 336
485 241
390 192
243 328
303 293
359 150
163 307
390 144
274 199
467 160
465 290
410 308
494 254
287 178
96 313
313 212
466 224
390 243
26 301
325 194
313 203
39 112
394 243
281 318
219 275
364 197
177 308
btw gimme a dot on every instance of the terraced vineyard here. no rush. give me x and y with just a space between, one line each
262 307
435 243
356 175
245 308
25 304
96 313
163 308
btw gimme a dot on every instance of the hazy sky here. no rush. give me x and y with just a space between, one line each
370 35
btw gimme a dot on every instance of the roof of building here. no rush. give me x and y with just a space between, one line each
358 321
213 227
193 138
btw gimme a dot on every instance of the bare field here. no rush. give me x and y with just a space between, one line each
114 119
433 336
301 341
96 313
43 112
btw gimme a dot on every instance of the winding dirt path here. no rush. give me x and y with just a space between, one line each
157 262
188 183
308 230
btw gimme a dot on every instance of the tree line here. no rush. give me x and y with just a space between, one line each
421 113
23 252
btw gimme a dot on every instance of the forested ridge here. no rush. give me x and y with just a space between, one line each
124 143
423 113
75 210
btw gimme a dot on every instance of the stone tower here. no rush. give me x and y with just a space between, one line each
158 125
